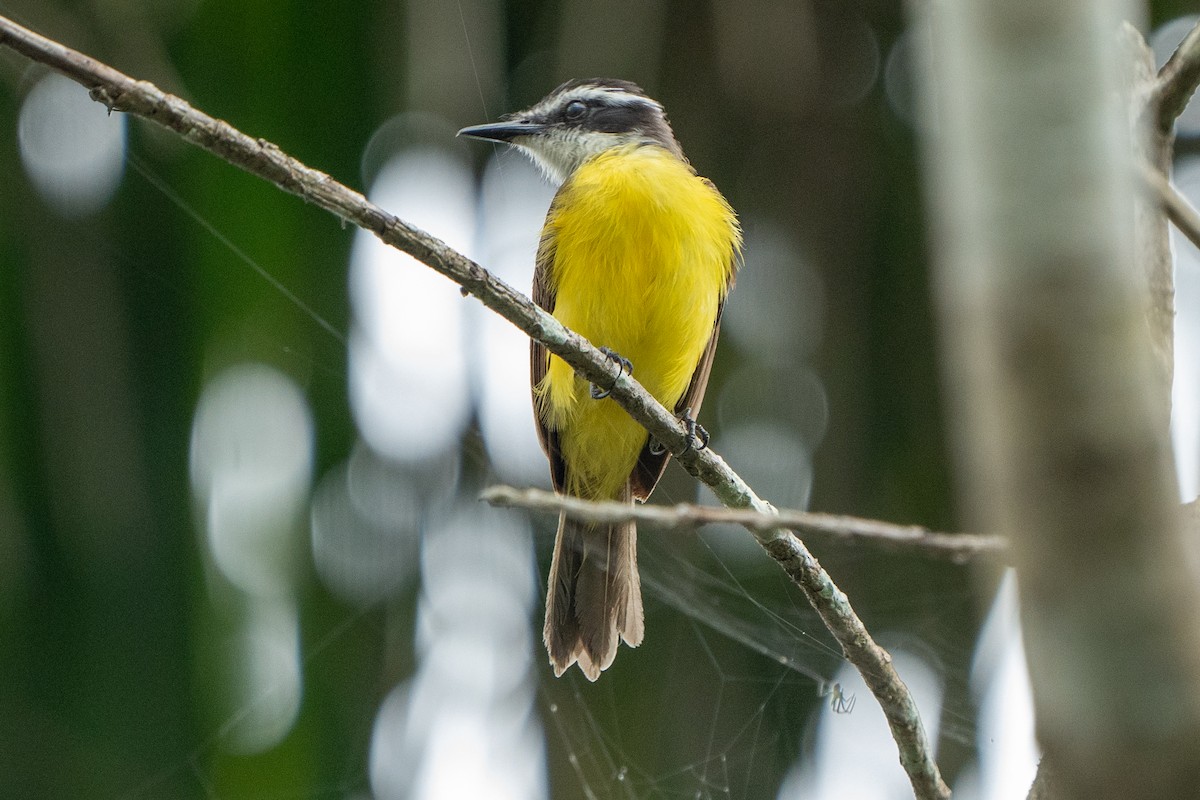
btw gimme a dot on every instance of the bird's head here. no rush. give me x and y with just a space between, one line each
579 120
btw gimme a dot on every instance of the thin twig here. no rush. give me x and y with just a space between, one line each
1181 213
265 160
957 547
1177 80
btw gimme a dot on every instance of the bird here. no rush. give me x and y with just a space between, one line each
638 255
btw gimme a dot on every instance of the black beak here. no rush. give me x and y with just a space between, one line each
502 131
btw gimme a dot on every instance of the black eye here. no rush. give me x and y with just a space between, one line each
575 109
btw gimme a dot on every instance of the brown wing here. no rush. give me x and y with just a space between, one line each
650 466
544 296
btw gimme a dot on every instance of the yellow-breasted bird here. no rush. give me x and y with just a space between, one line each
638 254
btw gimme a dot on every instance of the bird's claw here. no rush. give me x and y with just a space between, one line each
624 367
697 436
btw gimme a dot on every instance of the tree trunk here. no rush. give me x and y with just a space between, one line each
1060 403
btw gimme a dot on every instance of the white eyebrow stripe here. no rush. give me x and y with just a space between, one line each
607 94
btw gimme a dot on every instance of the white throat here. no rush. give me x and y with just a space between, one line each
562 152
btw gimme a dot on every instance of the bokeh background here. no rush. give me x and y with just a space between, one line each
241 551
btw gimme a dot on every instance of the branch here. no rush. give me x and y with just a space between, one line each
957 547
1182 213
1177 81
265 160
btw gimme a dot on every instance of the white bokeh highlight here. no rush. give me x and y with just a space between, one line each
251 470
365 538
1185 401
464 725
72 148
409 387
264 682
1008 751
251 467
513 207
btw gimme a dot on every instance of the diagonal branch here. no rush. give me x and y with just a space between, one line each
957 547
1163 97
1177 81
265 160
1177 208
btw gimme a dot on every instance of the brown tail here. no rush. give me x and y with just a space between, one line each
594 596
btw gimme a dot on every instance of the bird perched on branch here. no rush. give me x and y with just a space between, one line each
638 254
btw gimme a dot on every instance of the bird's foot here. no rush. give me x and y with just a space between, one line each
697 436
624 367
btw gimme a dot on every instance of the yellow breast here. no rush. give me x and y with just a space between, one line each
644 253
